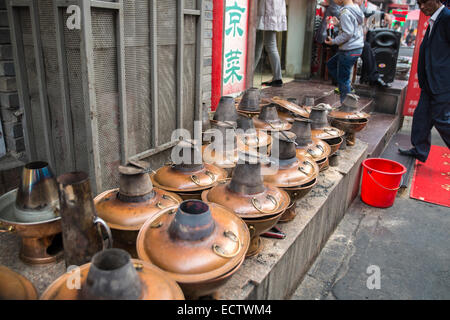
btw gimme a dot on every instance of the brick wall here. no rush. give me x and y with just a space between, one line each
10 113
207 53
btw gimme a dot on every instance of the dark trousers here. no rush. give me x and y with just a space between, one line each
369 71
432 111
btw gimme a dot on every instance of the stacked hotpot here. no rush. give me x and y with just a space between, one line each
184 229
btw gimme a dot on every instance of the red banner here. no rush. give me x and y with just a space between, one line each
413 90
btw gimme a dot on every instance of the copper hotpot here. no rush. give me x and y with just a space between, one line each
322 130
32 211
268 120
348 118
307 146
294 172
188 180
126 209
223 150
200 245
259 204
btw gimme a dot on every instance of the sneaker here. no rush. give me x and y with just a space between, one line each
336 90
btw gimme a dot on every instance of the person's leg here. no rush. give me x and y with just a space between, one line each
332 66
345 63
258 47
441 116
421 127
270 43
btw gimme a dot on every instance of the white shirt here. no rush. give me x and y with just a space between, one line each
434 16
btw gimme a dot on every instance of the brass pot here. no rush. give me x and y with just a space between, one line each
296 193
350 127
268 120
112 275
188 178
250 198
257 227
126 209
292 171
14 286
199 245
41 241
309 146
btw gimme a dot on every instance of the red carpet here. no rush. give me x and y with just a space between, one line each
431 180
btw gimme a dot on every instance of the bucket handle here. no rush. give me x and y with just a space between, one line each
394 189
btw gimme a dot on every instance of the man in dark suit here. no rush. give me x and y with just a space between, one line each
433 71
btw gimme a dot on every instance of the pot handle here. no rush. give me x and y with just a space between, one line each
166 197
257 206
102 223
233 237
4 229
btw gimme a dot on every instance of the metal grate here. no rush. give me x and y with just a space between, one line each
106 91
114 90
137 75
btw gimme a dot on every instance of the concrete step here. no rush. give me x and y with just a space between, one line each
379 131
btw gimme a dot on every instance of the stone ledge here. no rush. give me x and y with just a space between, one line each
279 268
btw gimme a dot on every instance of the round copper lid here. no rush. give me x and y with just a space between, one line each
338 114
220 158
290 106
14 286
326 133
196 242
295 172
317 149
131 215
270 202
170 179
156 285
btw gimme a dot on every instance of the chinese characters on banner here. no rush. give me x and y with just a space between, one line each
413 91
234 46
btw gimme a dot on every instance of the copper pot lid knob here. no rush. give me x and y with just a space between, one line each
112 276
192 221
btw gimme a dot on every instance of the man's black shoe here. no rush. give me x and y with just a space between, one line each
411 153
274 83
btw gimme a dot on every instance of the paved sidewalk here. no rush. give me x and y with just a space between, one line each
409 242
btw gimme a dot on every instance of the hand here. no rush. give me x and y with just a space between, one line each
329 41
335 20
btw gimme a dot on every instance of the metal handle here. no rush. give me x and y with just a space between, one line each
395 189
333 130
233 237
9 229
102 223
166 197
252 230
318 146
211 175
258 207
195 179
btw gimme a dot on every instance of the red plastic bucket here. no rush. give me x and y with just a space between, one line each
380 181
